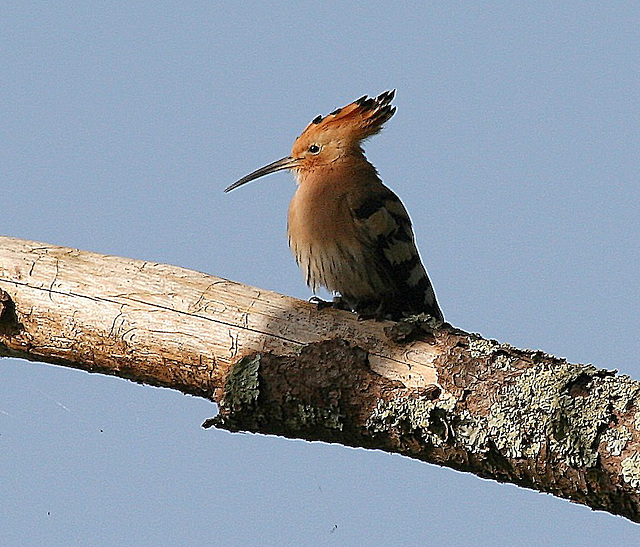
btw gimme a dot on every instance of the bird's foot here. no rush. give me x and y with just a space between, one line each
320 304
378 311
338 303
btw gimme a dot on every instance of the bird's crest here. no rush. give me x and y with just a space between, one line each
358 120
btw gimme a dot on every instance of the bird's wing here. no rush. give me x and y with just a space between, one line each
384 227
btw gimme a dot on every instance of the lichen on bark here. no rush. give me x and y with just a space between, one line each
565 405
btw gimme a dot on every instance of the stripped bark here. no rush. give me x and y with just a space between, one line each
278 365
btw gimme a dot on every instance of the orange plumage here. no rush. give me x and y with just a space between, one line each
348 231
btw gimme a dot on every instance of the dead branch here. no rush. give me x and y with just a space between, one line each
278 365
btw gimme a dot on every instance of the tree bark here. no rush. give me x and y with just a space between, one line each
278 365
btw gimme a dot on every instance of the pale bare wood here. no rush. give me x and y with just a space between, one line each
278 365
114 305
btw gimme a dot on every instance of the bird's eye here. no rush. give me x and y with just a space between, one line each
314 149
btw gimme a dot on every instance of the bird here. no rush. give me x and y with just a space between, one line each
349 232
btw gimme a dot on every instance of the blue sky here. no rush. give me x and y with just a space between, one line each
514 148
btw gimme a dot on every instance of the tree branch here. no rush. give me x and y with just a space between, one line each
278 365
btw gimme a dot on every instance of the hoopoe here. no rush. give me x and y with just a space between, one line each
348 231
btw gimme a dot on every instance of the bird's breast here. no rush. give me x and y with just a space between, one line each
323 238
319 215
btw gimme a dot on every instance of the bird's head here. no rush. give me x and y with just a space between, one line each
330 138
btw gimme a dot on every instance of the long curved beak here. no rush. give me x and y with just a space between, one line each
284 163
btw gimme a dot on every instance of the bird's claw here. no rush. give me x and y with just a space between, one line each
337 303
320 304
